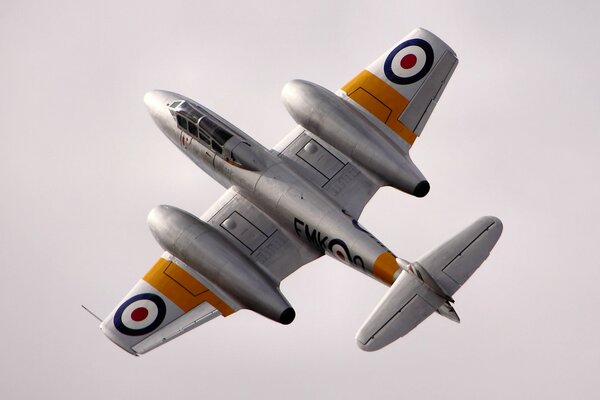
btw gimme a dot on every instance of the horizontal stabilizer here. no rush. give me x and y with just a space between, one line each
452 263
405 305
427 285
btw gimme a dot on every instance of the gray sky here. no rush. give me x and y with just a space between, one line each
81 164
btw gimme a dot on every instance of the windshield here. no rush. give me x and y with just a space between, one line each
187 110
214 130
201 124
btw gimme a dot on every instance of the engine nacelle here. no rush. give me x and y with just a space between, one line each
203 248
345 128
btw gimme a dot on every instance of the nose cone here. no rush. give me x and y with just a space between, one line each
296 95
157 101
168 223
163 222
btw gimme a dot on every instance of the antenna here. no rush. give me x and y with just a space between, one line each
94 315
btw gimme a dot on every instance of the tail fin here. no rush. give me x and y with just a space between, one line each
452 263
427 285
401 88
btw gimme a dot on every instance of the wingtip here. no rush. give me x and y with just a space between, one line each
368 347
497 223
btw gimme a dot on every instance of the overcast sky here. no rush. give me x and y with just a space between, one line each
81 164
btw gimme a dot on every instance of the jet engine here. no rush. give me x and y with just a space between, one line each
342 126
203 248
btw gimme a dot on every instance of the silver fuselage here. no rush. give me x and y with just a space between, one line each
306 212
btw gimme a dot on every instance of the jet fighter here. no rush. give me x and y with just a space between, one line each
287 206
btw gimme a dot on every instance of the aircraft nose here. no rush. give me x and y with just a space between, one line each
157 101
149 99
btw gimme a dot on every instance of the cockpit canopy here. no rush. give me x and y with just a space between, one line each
210 131
200 124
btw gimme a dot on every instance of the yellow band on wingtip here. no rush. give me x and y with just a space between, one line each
182 288
385 267
381 100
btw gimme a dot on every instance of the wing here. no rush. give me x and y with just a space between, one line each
173 298
397 93
344 181
400 89
169 300
255 234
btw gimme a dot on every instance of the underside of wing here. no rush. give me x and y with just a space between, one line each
233 259
256 235
401 88
169 300
375 118
345 182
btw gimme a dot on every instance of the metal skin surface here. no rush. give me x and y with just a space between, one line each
427 285
292 201
288 206
198 244
345 128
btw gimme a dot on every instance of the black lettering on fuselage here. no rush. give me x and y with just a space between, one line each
322 243
297 223
311 236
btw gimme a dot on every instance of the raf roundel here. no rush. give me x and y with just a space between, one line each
140 314
409 62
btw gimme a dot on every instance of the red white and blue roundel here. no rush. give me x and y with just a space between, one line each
140 314
409 62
